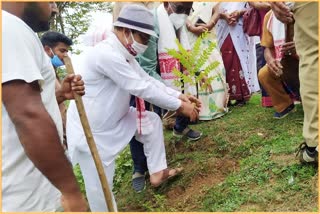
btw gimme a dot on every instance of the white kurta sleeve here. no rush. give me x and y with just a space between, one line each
161 85
114 66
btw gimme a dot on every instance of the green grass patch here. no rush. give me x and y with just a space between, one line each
244 162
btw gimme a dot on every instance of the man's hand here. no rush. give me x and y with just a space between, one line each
196 102
282 12
275 67
74 203
191 99
184 98
71 83
189 110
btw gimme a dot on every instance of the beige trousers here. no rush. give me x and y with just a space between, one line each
306 38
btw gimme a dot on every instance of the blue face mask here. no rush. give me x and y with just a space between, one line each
56 62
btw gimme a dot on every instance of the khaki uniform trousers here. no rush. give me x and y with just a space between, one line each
306 39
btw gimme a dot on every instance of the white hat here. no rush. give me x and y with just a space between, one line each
136 17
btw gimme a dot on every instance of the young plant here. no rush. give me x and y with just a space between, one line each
194 64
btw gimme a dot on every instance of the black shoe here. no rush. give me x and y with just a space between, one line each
191 134
284 113
306 156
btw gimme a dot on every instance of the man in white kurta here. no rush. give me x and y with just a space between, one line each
111 76
36 174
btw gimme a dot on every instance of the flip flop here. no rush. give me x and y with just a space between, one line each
166 177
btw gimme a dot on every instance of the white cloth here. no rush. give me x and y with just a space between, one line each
244 45
167 40
278 31
93 186
24 187
202 10
214 105
112 75
144 125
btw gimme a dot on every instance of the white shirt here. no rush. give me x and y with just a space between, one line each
111 75
24 187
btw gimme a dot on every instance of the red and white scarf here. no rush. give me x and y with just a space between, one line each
167 41
144 125
278 31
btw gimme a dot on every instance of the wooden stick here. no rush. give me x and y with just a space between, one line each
90 141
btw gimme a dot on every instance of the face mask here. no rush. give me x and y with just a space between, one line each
138 47
135 48
55 61
178 20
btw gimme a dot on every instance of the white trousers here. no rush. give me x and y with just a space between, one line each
92 182
154 150
153 145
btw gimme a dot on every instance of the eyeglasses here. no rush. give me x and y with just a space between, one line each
180 8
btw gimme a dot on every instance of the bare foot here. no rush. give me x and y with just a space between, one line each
158 178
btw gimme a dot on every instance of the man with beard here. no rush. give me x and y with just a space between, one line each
35 170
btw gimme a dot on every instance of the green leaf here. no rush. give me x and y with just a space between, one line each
194 61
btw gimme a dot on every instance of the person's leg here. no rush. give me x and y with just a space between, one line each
92 182
154 150
138 157
306 40
139 165
181 123
157 110
272 84
181 129
265 98
238 88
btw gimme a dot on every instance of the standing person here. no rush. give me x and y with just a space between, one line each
112 75
36 175
305 15
203 18
238 52
170 19
263 8
57 45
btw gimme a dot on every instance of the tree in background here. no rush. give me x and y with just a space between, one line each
74 17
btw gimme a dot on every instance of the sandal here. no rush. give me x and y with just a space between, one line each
166 176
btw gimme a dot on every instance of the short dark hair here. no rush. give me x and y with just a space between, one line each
51 38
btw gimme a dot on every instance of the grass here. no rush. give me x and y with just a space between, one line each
244 162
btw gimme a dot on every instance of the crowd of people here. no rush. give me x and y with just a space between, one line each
126 81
